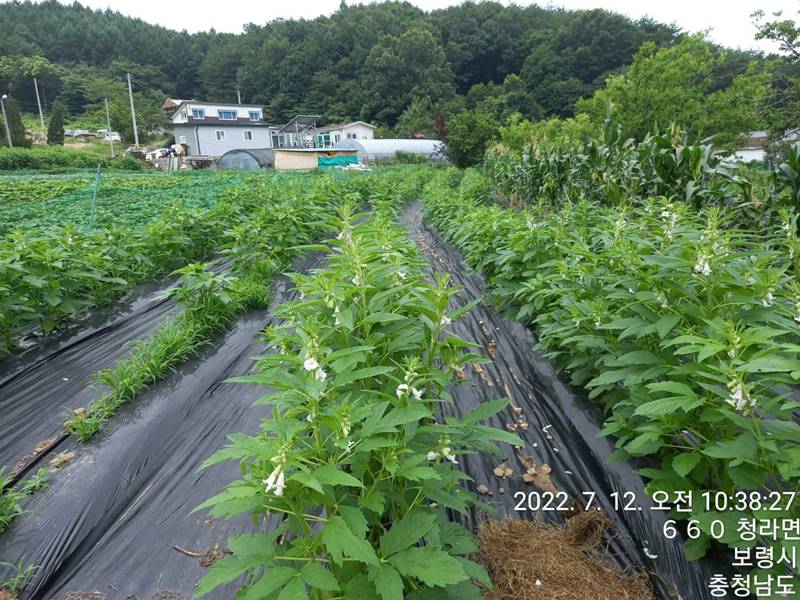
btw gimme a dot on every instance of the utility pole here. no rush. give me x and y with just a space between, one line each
239 95
133 113
5 119
38 102
108 131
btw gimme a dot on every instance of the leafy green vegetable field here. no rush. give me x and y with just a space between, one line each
40 202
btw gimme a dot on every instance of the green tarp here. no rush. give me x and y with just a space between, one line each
331 162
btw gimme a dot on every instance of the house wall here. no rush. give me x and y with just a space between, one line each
362 132
748 154
207 138
295 161
242 111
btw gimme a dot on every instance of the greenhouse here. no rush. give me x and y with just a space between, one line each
246 160
370 151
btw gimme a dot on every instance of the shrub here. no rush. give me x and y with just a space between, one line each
55 129
17 159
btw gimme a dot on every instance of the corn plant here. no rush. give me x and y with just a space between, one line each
355 462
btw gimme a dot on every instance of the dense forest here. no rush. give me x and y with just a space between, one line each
389 63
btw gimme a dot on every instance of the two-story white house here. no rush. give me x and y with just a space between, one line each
211 129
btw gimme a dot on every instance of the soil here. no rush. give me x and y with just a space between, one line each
6 595
530 560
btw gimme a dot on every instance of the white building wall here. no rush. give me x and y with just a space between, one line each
205 137
185 111
748 154
362 131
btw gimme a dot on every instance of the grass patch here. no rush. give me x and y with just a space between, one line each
171 344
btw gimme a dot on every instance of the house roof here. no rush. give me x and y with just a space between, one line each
173 103
300 122
335 126
755 140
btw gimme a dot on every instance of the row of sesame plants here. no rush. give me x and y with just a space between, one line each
356 462
683 326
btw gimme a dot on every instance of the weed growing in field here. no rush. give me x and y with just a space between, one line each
11 497
16 584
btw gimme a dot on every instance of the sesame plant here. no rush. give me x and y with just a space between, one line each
682 325
351 479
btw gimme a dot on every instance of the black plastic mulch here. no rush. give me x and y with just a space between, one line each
38 386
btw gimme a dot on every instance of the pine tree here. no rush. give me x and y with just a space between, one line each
55 129
15 125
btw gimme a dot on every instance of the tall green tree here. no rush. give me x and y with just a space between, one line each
55 128
783 104
674 85
469 134
402 68
15 126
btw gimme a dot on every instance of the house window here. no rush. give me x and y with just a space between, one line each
220 135
182 139
351 136
227 115
183 114
336 138
255 115
323 140
198 113
247 135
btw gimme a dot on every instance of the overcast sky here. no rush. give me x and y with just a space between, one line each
728 21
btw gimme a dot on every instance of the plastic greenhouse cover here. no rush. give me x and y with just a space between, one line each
109 522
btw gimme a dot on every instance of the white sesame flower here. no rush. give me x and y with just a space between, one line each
631 290
401 274
768 300
310 364
401 390
431 455
445 320
447 453
797 318
417 393
320 375
356 279
349 446
598 323
310 417
737 399
275 482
